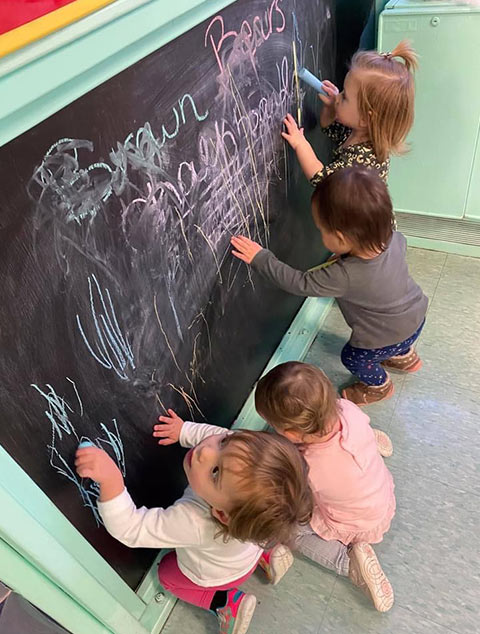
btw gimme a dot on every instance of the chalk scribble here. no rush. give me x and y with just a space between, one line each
59 414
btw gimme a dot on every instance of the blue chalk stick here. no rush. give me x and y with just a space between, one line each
306 76
85 443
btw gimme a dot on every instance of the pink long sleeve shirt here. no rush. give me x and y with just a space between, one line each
352 487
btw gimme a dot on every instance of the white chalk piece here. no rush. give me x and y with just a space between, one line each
85 443
306 76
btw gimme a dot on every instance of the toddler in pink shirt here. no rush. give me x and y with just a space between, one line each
354 501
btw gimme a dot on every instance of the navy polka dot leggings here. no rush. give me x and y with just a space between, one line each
365 365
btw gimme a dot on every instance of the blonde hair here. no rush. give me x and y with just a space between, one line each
298 397
386 96
273 494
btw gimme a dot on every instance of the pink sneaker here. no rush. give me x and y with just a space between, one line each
276 562
366 573
384 444
235 616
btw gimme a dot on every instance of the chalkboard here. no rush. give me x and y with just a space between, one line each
119 293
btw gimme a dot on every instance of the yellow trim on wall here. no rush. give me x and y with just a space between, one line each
46 24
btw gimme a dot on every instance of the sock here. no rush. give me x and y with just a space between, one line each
219 600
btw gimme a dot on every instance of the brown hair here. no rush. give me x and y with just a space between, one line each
298 397
386 96
273 491
356 202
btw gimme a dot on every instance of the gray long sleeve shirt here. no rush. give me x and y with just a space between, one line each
379 300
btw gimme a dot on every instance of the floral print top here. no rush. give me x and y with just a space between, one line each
361 154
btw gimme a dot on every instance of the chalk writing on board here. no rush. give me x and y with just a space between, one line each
62 187
60 413
152 218
250 35
168 216
112 348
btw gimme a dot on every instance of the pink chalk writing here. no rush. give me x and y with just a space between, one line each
253 35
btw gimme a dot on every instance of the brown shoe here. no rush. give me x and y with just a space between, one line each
384 444
366 573
362 394
409 362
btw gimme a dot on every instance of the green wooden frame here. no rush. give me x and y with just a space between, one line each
47 75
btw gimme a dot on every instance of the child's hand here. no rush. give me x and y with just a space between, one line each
169 430
294 134
95 463
245 249
332 93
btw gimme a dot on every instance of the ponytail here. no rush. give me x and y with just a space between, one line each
386 96
405 51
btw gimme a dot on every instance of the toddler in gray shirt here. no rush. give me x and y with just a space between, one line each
381 303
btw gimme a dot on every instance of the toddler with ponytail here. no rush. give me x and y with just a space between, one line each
369 120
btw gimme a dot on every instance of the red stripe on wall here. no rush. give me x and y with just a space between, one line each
14 13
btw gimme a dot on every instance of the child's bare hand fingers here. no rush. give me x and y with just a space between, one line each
240 242
240 256
83 460
290 122
163 429
167 441
83 465
86 472
328 84
165 419
163 433
287 138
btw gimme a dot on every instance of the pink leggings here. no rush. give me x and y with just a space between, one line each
173 580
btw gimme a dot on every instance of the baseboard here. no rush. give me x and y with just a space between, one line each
455 248
451 235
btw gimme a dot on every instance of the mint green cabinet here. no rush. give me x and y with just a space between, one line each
472 210
437 176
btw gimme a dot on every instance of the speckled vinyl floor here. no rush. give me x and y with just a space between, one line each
431 555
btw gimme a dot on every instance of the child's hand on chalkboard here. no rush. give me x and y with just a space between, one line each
170 429
294 134
95 463
244 248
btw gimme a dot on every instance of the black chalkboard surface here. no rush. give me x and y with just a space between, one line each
119 294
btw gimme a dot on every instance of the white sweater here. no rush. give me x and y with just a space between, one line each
187 526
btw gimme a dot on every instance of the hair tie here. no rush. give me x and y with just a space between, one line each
387 55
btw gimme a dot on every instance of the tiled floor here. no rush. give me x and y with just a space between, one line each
431 554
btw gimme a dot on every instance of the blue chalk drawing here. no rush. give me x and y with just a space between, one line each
114 441
59 414
113 350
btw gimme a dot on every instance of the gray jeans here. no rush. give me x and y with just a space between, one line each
329 554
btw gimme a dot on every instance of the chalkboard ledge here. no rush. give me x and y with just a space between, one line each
294 346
